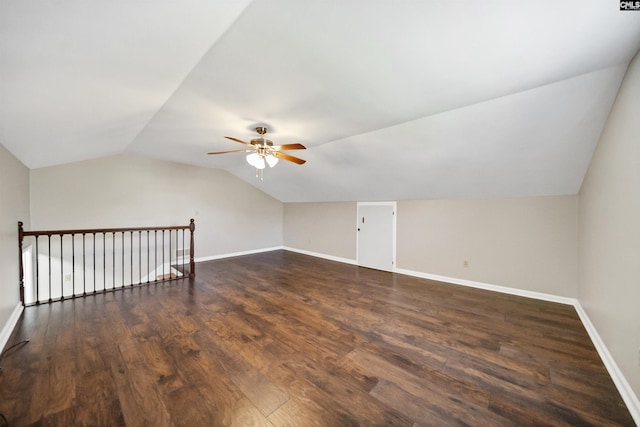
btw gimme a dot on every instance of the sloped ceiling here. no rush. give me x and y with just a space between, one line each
394 100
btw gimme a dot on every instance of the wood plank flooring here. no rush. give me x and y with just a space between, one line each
283 339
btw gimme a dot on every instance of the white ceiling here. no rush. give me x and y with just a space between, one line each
394 100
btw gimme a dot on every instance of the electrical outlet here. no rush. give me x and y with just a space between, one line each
67 277
466 264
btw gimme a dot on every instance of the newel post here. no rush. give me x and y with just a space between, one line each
192 263
21 267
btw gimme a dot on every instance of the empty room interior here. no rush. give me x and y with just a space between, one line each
288 213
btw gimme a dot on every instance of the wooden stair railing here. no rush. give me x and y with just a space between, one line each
90 261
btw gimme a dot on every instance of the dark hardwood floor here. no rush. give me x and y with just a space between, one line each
281 338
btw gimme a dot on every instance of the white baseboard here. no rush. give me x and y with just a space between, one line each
232 254
319 255
489 287
7 329
623 386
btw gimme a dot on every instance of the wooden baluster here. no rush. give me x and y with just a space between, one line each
21 267
192 263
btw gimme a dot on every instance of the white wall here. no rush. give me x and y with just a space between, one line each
324 228
125 191
526 243
609 225
14 207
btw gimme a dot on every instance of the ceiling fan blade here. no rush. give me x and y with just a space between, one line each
237 140
285 156
232 151
288 147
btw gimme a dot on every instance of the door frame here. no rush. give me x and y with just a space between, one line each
394 206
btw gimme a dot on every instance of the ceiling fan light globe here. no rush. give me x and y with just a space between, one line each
253 159
271 160
260 164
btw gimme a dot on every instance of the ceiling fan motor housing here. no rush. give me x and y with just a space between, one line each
261 141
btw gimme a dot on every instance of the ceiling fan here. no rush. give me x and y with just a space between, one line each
262 152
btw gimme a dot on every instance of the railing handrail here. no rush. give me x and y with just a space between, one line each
101 230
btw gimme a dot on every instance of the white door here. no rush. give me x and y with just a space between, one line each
376 235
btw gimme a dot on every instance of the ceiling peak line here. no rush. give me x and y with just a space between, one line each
473 104
186 76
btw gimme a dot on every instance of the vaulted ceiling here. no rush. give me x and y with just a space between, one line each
394 100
